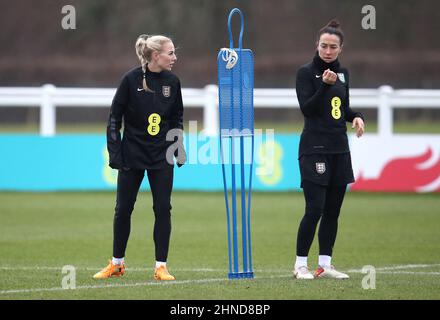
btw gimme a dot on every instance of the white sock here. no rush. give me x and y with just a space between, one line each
117 261
300 262
325 261
160 263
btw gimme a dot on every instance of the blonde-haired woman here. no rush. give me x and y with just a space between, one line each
149 102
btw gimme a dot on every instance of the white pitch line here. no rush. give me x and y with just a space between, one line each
410 272
390 268
99 268
137 284
383 270
399 267
47 268
124 285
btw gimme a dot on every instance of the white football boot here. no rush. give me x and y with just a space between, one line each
302 272
330 272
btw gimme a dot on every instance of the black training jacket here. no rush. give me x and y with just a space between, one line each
326 108
147 116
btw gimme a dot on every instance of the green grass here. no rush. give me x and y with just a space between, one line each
418 126
42 232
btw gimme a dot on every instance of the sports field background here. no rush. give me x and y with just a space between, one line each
40 233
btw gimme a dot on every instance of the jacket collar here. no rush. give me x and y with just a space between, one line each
321 65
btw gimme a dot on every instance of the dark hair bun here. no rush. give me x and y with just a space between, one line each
334 24
333 27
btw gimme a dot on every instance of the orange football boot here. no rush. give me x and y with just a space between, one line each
112 270
161 273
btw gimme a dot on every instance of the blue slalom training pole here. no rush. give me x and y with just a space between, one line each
236 84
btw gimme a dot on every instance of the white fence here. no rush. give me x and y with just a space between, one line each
49 97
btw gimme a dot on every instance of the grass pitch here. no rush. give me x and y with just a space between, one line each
40 233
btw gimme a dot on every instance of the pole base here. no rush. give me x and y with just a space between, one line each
241 275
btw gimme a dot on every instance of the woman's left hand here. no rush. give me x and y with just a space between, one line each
358 123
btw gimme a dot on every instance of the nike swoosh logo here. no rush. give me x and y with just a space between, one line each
140 89
317 76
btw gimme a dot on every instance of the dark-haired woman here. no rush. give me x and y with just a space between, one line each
322 88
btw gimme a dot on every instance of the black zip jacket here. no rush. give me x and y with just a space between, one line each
326 108
148 116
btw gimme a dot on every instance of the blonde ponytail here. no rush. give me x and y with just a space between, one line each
145 46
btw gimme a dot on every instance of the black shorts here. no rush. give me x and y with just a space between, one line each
326 169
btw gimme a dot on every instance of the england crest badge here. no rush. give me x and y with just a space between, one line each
166 91
341 77
320 167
